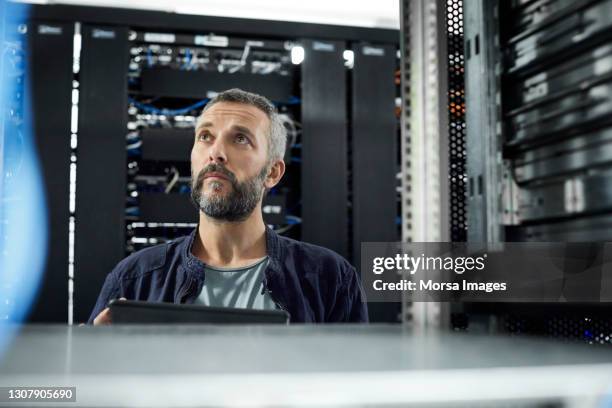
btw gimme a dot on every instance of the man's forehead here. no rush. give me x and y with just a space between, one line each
242 113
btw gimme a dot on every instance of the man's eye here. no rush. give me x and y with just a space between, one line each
203 137
242 139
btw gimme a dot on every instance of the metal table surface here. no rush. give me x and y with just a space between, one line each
301 365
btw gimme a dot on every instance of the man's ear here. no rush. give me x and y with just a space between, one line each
276 172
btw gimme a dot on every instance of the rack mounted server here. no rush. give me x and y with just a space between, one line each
539 141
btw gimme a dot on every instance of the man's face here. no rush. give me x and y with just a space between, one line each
229 161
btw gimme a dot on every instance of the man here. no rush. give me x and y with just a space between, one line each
232 259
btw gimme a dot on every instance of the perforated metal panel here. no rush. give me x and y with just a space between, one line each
592 330
456 122
406 197
405 122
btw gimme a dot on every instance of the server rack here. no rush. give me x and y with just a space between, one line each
100 179
524 86
171 77
50 61
129 105
537 141
374 145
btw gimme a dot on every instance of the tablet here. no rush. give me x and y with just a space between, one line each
132 311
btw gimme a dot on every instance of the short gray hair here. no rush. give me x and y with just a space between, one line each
277 140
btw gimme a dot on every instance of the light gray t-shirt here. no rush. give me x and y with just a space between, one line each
236 287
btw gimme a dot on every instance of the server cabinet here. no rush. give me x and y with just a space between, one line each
374 156
539 143
538 81
557 106
324 146
50 84
374 138
101 168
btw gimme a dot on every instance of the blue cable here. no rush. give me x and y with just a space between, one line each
292 220
149 57
293 100
170 112
187 59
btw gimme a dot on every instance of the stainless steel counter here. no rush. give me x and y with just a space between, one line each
301 365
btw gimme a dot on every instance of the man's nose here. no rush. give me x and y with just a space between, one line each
217 152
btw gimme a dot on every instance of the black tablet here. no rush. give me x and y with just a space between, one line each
132 311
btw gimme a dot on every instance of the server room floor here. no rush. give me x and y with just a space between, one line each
336 365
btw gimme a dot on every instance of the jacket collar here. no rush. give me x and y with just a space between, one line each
195 266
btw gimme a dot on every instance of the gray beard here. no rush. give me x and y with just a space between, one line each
237 205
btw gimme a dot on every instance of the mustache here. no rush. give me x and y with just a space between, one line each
215 168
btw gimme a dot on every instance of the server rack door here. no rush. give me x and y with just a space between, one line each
374 153
50 83
374 139
324 146
101 168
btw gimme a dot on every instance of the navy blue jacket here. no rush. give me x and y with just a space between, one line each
312 283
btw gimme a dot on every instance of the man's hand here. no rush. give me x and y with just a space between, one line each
104 318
